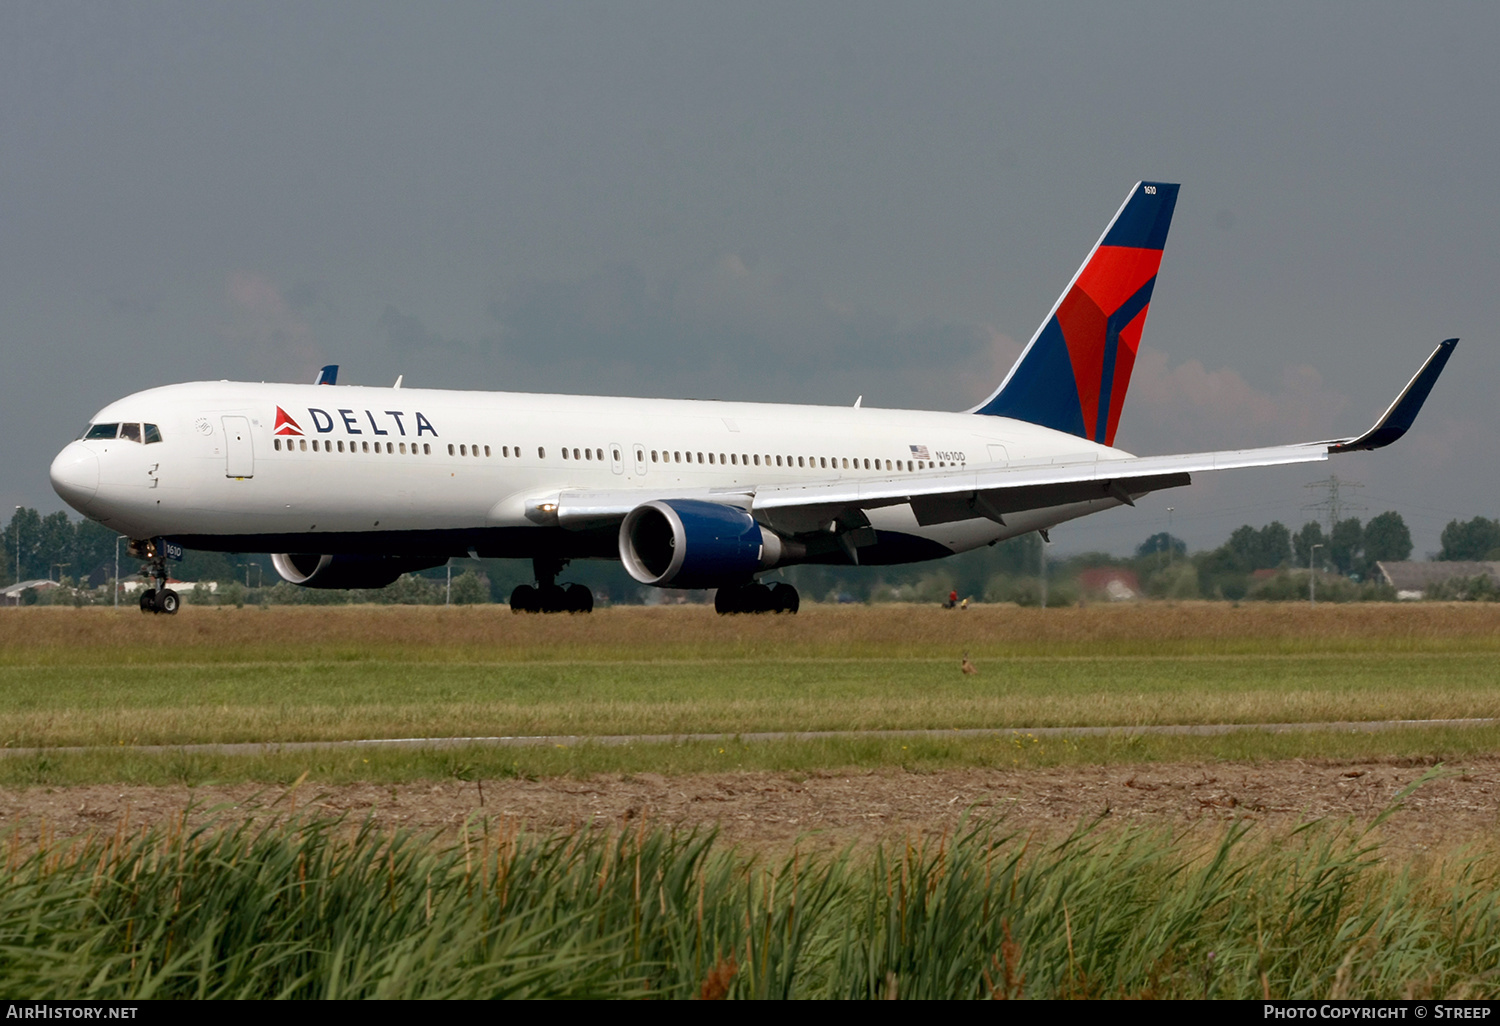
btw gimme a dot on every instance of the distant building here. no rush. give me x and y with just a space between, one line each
11 596
1413 580
1110 582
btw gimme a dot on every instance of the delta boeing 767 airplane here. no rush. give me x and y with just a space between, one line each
350 487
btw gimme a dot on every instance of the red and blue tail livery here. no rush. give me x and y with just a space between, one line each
1073 375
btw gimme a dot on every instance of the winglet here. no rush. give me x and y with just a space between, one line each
328 375
1404 410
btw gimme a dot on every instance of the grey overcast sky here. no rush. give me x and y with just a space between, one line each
771 201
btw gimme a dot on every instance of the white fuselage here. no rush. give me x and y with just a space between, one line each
350 460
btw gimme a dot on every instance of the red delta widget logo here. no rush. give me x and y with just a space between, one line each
323 422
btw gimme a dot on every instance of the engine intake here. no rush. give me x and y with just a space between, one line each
692 543
311 570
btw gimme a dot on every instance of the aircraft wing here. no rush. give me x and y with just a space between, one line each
963 493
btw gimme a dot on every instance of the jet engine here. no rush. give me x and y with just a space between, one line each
692 543
311 570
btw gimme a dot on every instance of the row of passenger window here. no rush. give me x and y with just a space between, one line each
332 445
327 445
657 455
144 433
814 462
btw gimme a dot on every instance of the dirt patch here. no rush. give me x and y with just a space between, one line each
831 810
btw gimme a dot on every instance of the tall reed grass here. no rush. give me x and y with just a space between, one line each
314 908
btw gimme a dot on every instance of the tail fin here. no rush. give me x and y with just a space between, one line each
1073 374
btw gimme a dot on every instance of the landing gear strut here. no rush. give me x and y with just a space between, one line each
159 599
547 596
757 598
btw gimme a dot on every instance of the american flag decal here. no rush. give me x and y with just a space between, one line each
919 452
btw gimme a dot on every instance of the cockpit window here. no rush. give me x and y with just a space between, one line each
130 431
152 434
102 431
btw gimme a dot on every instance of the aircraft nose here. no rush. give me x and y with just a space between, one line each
75 476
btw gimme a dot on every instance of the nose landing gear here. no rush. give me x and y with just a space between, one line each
549 597
159 599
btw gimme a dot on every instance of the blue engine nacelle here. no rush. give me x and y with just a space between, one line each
692 543
311 570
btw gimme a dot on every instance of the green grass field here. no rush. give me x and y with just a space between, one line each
323 907
106 679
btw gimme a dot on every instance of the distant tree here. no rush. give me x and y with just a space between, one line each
469 588
1304 540
94 551
1474 539
1386 540
1345 546
1275 546
1160 544
1242 549
56 542
1264 549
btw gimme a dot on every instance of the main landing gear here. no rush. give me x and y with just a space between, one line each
758 598
159 599
547 596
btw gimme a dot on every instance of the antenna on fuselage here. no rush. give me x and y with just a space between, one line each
398 380
858 401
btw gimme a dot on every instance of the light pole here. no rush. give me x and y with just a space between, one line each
1170 553
1312 575
117 571
16 522
60 568
448 595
